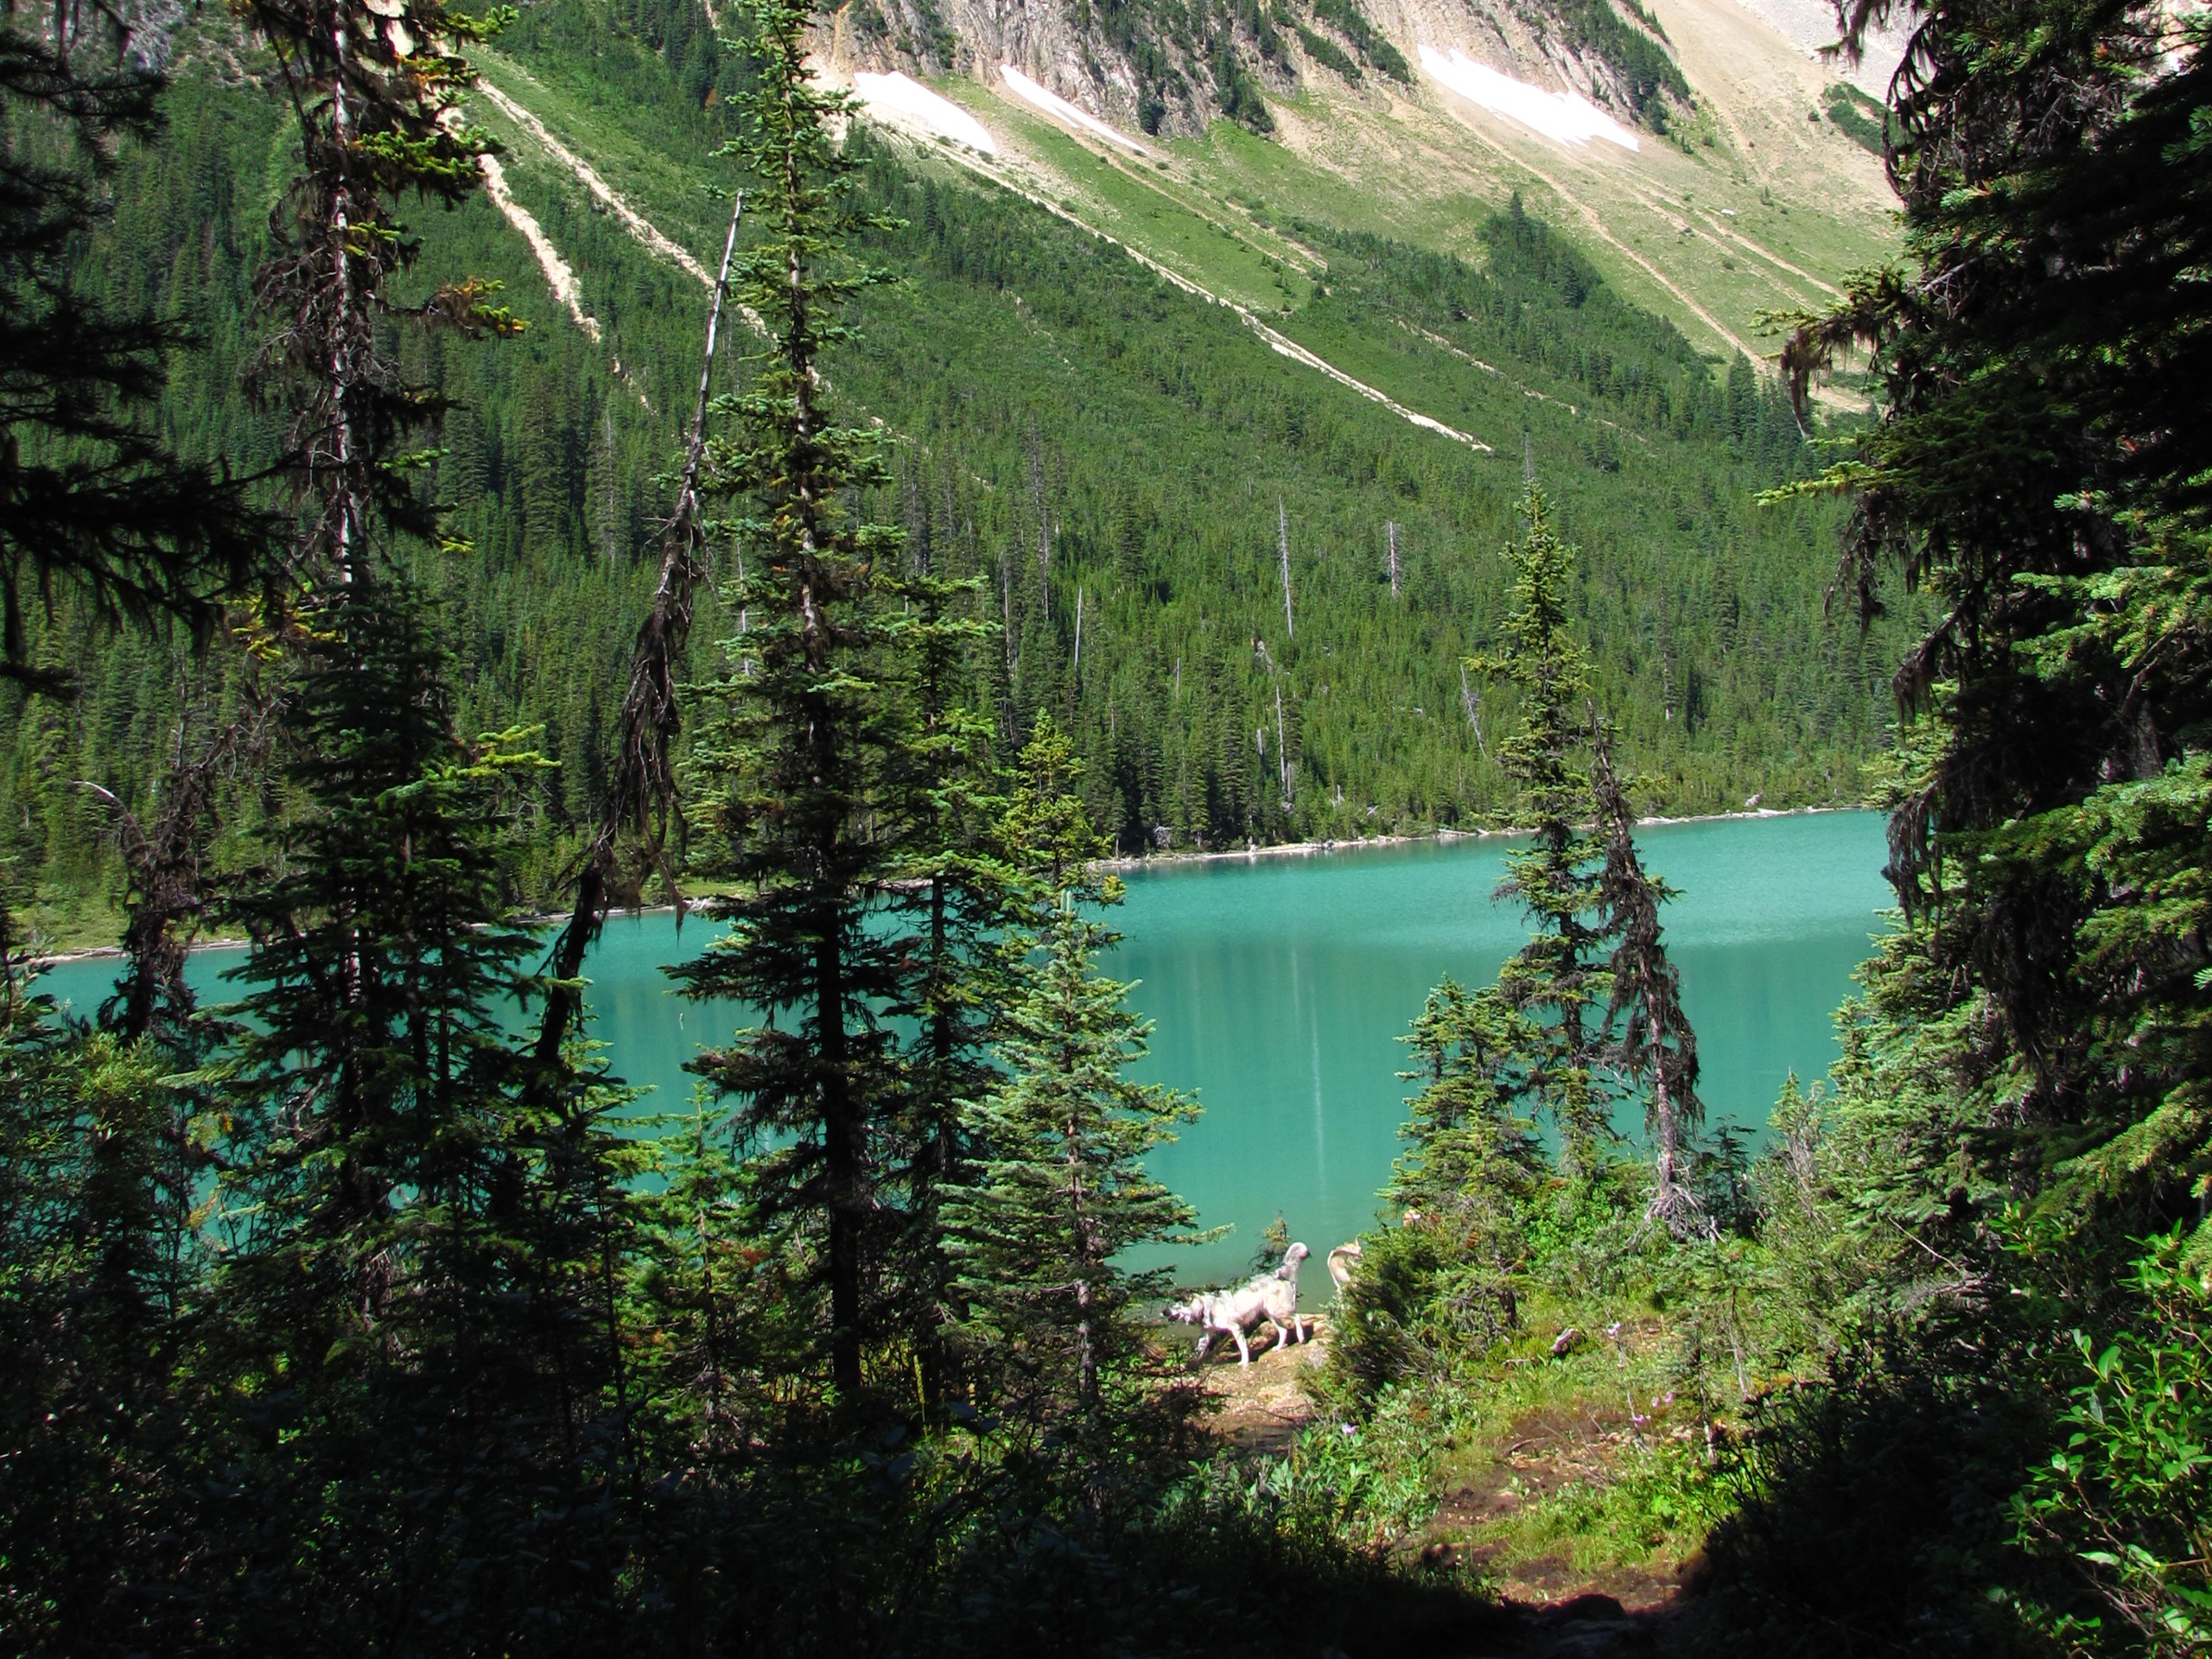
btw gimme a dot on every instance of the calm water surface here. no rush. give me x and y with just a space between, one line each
1278 987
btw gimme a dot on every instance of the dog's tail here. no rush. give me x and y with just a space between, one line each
1343 1261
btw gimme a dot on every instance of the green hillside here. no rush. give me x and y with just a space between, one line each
1089 439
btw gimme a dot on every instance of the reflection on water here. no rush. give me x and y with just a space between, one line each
1279 986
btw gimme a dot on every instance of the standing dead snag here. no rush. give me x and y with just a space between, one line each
640 794
1656 1041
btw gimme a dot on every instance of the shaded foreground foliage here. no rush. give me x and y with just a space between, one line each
340 1317
1962 1315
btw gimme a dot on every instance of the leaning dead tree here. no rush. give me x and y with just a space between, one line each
164 854
640 795
1656 1044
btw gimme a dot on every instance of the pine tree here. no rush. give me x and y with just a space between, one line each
1555 981
1463 1127
101 1263
424 1262
2024 1086
424 1284
378 90
796 766
956 887
1060 1189
93 501
2041 471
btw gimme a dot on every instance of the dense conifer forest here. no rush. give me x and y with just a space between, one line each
1088 442
353 612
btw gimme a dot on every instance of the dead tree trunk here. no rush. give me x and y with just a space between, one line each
640 792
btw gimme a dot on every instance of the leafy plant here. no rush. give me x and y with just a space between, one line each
2128 1494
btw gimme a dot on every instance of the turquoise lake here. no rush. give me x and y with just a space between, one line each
1279 985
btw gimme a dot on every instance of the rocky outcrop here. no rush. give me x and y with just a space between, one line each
1147 65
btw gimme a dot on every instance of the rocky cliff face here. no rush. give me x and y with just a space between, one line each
1174 65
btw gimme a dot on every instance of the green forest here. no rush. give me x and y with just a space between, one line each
1061 424
358 603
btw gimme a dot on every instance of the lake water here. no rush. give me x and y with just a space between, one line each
1279 985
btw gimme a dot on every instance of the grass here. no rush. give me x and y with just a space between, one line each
1543 1475
58 922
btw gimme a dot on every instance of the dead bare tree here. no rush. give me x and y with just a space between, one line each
1656 1043
164 858
640 794
1471 700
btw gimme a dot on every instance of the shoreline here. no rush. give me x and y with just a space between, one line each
1120 866
1306 848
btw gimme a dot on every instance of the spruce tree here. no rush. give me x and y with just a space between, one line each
1476 1161
2041 471
2024 1087
1556 981
797 765
956 887
104 1428
423 1287
421 1277
1060 1189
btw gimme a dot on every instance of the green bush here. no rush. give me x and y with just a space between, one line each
2128 1496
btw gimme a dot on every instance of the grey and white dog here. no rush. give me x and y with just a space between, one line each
1271 1299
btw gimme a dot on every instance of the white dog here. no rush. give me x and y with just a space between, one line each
1271 1299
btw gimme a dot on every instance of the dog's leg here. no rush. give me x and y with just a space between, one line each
1243 1348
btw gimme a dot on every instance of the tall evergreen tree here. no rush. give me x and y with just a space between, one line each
101 1274
423 1286
1060 1189
2041 470
1474 1165
377 93
423 1282
94 503
957 885
796 765
1556 981
2024 1087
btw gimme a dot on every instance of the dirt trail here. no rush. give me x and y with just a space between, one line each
1544 1609
633 222
1277 341
560 276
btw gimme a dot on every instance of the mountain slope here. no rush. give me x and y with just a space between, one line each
1116 458
1754 199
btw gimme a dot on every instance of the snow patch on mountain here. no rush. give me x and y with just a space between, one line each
903 99
1566 117
1051 103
